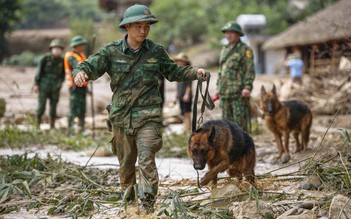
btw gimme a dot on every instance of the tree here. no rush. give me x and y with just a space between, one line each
9 14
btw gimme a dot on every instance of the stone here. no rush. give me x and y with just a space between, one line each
310 183
340 207
252 209
298 213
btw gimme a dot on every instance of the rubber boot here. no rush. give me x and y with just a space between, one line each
52 124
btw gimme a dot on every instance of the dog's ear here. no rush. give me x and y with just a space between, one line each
274 90
263 91
211 135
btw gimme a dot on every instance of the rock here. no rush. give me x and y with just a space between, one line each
226 190
310 183
252 209
298 213
307 205
340 207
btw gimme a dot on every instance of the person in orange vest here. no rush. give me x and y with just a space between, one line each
77 106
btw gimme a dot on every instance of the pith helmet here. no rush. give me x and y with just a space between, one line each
56 43
137 13
232 26
183 58
78 40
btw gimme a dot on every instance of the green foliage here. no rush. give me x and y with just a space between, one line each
26 58
85 28
12 136
189 21
179 19
50 13
9 14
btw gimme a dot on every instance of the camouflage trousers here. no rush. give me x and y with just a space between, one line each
142 144
47 93
77 106
238 111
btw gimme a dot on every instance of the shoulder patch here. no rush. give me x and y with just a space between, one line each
248 53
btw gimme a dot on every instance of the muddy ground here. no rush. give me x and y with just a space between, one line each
16 85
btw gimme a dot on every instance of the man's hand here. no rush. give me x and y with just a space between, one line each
80 78
201 71
245 93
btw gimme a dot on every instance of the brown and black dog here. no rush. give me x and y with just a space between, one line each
222 145
285 117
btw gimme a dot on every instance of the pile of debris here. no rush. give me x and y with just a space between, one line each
325 94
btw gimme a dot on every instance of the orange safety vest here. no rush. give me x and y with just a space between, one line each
68 68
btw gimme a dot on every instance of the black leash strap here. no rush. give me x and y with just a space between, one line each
206 100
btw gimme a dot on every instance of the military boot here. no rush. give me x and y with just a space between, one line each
81 125
70 127
148 203
37 122
52 123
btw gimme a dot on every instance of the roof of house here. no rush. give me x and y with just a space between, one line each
333 22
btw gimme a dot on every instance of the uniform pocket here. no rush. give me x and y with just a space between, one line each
119 71
150 74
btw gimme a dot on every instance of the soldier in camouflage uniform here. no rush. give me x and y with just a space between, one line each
77 106
236 76
48 81
135 115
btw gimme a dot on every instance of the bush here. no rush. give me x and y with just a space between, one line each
24 59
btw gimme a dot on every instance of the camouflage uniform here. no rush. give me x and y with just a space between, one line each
236 73
49 78
135 113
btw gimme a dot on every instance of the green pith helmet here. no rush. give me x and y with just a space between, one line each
137 13
232 26
78 40
56 43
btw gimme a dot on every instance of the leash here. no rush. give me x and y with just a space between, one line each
206 101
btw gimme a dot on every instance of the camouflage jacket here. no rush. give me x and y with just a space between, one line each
136 98
51 72
236 71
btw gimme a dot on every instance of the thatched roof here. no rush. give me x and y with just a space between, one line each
333 22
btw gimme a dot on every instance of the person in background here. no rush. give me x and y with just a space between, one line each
235 78
296 67
48 81
77 100
184 93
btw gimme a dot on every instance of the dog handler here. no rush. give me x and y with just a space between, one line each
133 64
236 75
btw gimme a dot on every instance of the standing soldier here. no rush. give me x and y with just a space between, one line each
77 105
134 64
236 75
48 81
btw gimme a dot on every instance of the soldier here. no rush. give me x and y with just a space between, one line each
134 64
184 93
77 106
48 81
235 79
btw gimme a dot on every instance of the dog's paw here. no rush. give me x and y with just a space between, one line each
204 181
285 158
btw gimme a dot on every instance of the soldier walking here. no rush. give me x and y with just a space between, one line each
77 103
134 64
48 81
235 79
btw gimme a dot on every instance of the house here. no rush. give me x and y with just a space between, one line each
322 39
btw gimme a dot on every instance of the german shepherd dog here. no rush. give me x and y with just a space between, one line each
284 117
222 145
